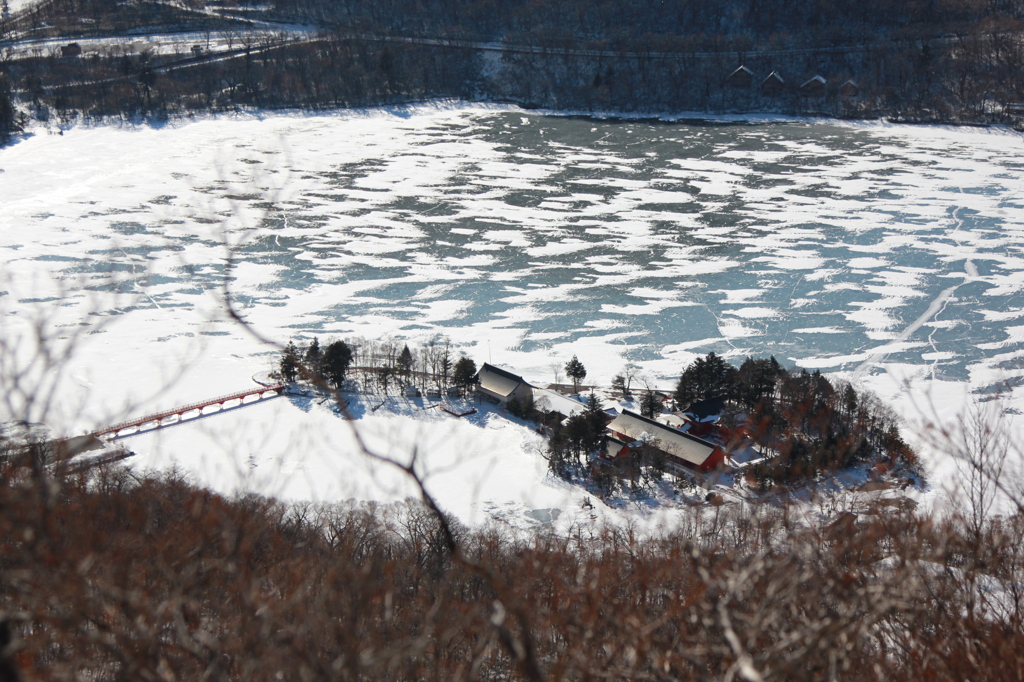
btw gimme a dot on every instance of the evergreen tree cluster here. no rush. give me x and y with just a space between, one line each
381 363
580 434
808 423
330 364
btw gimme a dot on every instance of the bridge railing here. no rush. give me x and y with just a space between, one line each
158 416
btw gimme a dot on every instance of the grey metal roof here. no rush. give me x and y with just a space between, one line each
684 446
498 381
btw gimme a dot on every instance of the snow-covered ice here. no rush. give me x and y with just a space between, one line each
888 254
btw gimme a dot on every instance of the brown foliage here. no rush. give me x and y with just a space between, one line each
108 575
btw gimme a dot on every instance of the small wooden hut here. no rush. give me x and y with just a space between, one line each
740 78
773 85
814 87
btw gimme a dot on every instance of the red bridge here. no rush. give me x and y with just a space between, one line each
157 419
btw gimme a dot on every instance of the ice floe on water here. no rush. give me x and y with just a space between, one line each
889 254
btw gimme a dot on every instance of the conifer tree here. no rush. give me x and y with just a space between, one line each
8 119
649 404
405 362
619 384
289 364
596 419
464 373
755 381
575 370
336 360
314 355
707 377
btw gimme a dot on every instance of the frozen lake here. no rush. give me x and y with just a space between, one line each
892 254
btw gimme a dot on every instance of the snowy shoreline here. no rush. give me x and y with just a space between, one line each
420 107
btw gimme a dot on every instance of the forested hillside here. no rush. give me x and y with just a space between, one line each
112 576
955 61
658 24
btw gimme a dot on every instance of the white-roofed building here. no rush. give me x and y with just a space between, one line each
682 448
501 385
675 421
547 401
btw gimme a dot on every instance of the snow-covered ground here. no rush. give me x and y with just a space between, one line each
298 448
181 44
15 6
886 254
